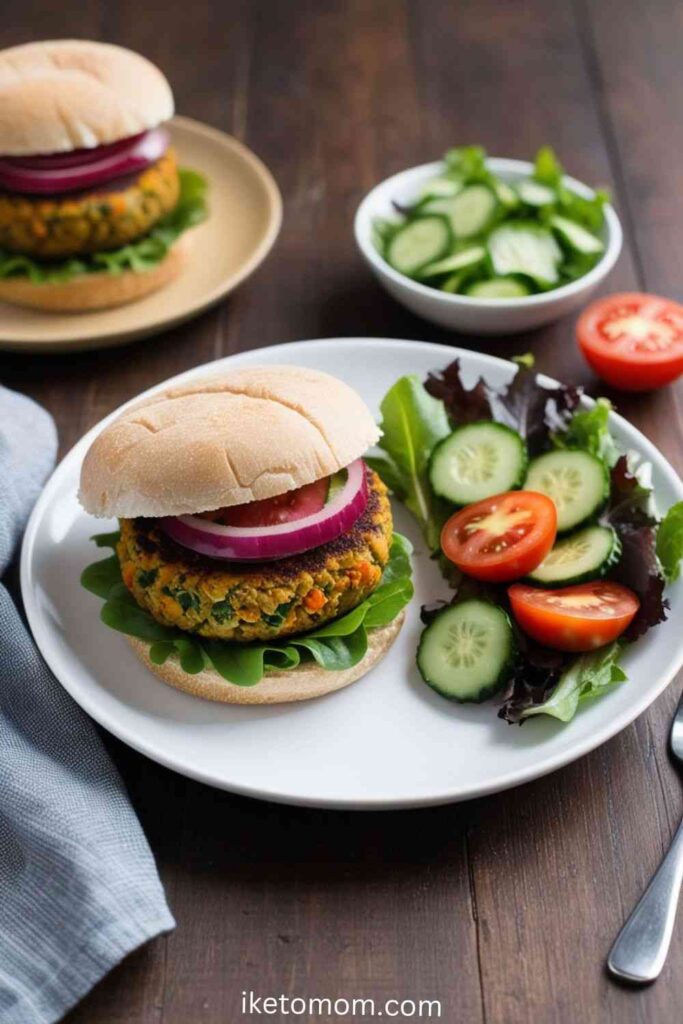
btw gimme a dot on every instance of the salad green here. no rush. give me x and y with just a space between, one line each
141 255
412 424
670 542
622 538
337 645
589 675
472 233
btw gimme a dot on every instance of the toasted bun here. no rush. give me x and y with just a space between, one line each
70 94
225 440
94 291
302 683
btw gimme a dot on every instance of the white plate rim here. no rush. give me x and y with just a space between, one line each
451 795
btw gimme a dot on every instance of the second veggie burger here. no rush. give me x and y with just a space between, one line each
92 202
256 560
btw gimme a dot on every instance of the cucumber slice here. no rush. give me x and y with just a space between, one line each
534 194
469 213
453 283
382 230
498 288
525 248
472 211
460 261
441 188
418 243
577 482
466 652
477 461
505 194
585 555
438 205
576 237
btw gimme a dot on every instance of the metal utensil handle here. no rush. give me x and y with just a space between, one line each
643 943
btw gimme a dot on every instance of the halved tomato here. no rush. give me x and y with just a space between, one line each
578 618
283 508
503 537
633 341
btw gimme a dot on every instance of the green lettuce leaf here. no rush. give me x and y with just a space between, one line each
589 213
100 577
467 164
586 677
139 256
122 612
670 542
247 665
589 429
547 169
412 423
335 646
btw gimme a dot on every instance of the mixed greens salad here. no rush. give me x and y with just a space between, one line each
526 485
472 233
339 644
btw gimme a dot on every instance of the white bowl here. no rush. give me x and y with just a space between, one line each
460 312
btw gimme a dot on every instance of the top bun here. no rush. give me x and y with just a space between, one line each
251 434
70 94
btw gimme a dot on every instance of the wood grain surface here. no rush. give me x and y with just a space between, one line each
503 908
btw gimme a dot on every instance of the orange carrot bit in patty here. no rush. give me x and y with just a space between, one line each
314 600
118 204
366 572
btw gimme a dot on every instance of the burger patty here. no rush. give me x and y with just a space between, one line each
87 222
246 602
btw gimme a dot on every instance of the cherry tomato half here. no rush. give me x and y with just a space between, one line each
501 538
283 508
633 341
578 618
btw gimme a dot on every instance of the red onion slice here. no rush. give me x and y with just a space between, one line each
74 158
59 173
268 543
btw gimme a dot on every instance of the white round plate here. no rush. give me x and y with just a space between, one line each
386 741
245 213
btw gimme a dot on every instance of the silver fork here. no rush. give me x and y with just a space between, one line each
641 946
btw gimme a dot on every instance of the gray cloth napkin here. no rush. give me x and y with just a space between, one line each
78 885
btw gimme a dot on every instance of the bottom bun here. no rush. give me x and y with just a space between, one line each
95 291
302 683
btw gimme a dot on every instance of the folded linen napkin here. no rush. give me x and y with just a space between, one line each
78 885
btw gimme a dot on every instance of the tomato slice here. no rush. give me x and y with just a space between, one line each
284 508
578 618
503 537
633 341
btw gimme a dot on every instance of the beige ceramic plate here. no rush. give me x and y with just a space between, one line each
243 223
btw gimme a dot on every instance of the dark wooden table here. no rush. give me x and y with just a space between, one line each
502 908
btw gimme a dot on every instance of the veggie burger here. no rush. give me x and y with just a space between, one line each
92 202
255 560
